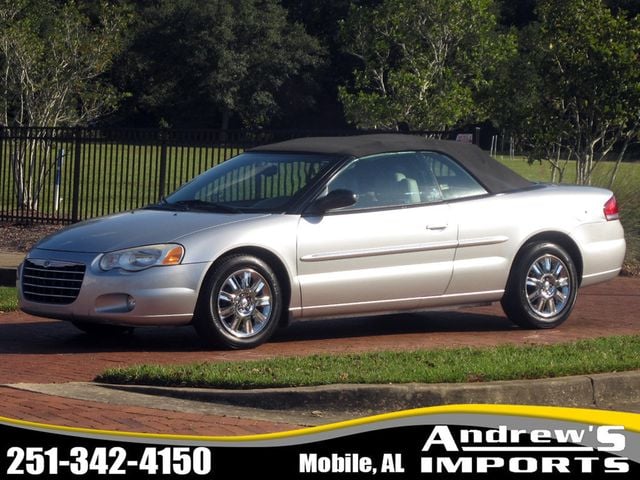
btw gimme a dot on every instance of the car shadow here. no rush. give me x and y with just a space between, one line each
396 324
58 337
48 337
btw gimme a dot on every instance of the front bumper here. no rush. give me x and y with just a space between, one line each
155 296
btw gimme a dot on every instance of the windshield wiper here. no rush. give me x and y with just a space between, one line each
161 205
196 204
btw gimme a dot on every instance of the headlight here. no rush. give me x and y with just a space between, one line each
139 258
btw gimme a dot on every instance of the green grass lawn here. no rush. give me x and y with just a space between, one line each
113 177
506 362
8 299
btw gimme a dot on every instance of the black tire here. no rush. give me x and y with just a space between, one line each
102 329
542 287
240 303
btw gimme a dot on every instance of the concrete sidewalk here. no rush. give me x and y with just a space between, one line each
236 412
68 412
11 259
9 262
587 391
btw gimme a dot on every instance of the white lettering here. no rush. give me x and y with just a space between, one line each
569 436
471 436
348 463
560 464
485 463
586 463
441 435
616 465
308 462
324 464
540 436
617 441
392 463
446 464
499 435
516 465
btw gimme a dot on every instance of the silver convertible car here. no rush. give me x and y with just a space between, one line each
325 227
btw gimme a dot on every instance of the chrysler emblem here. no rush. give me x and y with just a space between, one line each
52 263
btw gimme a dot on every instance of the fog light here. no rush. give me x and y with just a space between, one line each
131 302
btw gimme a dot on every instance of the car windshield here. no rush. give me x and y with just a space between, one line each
252 181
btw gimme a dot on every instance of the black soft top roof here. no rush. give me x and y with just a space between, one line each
492 174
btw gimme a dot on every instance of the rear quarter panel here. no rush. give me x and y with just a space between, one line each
492 230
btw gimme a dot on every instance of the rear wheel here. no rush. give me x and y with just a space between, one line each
542 287
240 303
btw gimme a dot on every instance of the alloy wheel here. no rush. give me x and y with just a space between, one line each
548 286
244 303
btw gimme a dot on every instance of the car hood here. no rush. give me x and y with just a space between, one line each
136 228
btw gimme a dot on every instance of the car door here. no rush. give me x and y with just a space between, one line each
389 251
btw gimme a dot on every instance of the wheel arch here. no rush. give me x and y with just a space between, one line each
273 261
559 238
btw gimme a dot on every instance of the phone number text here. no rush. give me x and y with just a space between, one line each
107 461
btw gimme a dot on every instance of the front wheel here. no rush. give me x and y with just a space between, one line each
240 303
542 287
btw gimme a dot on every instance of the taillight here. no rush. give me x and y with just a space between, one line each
611 209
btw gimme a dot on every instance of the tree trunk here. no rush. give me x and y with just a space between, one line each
580 164
614 173
17 164
31 165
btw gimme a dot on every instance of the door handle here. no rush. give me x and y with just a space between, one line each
437 226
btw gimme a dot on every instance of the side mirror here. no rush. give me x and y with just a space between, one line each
339 198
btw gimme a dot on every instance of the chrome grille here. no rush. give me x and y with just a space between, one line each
50 281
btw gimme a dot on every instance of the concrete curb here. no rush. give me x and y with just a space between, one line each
599 391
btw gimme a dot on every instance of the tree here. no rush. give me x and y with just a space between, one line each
427 63
519 13
323 20
206 62
520 108
54 60
581 62
628 7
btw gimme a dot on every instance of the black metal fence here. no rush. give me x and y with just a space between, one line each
64 175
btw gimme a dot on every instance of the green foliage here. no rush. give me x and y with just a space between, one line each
428 63
215 58
55 58
504 362
576 84
571 89
8 299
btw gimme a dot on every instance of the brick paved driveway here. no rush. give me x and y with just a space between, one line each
37 350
